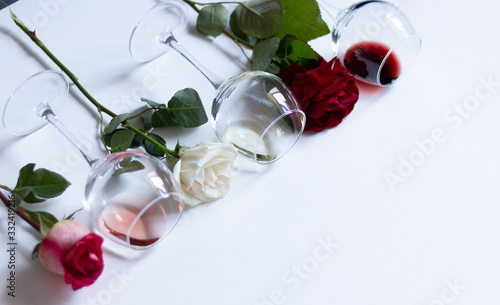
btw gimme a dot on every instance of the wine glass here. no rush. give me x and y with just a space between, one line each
374 41
132 197
254 111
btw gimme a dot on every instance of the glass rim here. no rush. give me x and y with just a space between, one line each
147 207
413 36
268 128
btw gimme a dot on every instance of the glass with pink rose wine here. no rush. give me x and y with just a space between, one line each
132 197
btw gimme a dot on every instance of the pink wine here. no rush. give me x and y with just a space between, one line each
118 218
133 241
363 60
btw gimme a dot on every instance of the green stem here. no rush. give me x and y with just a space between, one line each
149 139
74 79
101 131
5 188
238 40
243 51
20 211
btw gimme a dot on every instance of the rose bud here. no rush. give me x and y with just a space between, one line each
204 172
71 250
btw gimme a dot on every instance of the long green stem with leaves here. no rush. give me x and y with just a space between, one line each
74 79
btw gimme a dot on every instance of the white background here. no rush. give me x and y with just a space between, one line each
433 238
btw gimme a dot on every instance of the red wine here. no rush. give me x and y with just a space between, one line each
133 241
363 60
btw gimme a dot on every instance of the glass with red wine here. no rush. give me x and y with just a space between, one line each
375 42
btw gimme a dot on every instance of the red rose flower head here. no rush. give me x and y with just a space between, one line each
326 93
71 250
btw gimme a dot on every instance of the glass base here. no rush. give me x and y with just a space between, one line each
19 116
144 44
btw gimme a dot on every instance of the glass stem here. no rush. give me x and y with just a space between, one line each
43 110
168 38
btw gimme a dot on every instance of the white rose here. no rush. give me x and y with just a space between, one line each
204 172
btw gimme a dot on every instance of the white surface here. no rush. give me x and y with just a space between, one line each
432 239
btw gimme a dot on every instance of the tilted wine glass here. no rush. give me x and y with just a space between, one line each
374 41
254 111
132 197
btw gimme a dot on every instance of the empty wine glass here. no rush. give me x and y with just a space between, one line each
374 41
254 111
132 197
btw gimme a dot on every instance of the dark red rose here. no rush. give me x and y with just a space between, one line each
71 250
326 93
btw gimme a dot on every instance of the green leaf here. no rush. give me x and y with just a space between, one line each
301 49
212 19
70 216
107 138
301 52
34 254
302 19
153 104
259 18
24 174
48 184
264 52
151 148
184 109
121 140
36 186
238 33
284 44
273 68
128 166
20 194
136 141
292 50
44 219
35 215
146 122
45 225
32 198
162 118
178 147
187 109
116 121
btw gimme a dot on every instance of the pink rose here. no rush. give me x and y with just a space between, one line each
71 250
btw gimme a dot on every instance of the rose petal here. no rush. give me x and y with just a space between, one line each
49 254
83 262
66 233
204 172
326 93
71 250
